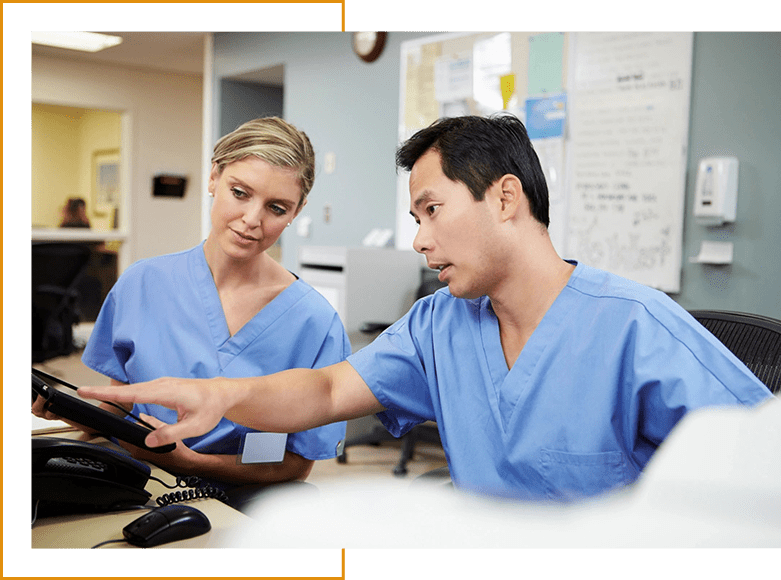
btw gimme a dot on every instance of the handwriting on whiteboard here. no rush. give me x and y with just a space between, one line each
628 137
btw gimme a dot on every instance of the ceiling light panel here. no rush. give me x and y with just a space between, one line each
85 41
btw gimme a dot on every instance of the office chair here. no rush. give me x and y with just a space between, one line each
57 269
425 432
755 340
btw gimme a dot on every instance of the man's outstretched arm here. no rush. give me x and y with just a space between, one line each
285 402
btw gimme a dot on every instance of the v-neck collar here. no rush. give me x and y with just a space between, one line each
227 346
510 385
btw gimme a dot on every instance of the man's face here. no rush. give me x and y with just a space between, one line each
455 231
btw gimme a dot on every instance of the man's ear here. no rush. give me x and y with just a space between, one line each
511 196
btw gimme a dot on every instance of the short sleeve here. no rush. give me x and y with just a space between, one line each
395 368
335 347
101 353
322 442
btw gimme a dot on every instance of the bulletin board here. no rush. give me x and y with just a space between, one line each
608 115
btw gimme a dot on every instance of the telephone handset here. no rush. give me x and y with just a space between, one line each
71 476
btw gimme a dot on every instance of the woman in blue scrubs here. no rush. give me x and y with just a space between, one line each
227 309
548 379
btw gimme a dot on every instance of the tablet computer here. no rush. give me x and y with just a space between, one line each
62 399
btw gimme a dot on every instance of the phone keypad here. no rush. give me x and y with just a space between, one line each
87 462
77 463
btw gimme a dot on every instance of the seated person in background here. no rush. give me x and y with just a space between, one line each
225 308
74 214
548 379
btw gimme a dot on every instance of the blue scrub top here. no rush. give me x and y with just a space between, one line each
163 317
606 375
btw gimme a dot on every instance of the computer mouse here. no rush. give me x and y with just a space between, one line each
166 524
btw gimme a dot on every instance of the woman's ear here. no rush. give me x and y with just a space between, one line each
300 207
214 177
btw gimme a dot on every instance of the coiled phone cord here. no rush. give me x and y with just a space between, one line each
195 491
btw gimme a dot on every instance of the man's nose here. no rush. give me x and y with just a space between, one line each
421 243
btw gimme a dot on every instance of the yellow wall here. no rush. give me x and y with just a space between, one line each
64 140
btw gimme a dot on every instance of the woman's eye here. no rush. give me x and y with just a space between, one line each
238 192
278 209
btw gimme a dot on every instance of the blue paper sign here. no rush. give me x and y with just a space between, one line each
545 116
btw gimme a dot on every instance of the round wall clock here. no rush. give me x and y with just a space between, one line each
368 45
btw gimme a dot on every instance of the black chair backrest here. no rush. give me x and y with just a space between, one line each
755 340
58 264
57 269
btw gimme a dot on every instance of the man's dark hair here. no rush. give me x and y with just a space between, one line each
477 151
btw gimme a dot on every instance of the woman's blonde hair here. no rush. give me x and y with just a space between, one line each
276 142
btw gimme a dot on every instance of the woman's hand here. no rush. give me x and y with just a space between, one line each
39 411
225 468
180 461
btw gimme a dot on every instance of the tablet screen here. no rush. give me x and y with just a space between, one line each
63 400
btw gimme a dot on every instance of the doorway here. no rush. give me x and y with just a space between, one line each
75 156
77 192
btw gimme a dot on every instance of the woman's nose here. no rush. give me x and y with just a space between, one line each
253 216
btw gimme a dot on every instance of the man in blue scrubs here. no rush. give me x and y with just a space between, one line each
548 379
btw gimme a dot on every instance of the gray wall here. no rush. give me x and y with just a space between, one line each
347 107
734 111
247 101
350 108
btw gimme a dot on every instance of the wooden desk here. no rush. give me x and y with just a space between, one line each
87 530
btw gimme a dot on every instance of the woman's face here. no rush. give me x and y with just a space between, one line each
253 203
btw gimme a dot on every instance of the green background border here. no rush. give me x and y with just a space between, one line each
397 15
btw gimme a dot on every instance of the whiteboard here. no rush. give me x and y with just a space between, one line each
618 201
626 160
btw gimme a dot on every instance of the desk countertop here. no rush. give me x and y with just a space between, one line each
75 235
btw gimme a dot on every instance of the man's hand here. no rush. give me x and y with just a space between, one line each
199 404
285 402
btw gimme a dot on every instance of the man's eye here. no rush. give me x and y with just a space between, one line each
432 208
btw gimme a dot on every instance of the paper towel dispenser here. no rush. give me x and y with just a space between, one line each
716 191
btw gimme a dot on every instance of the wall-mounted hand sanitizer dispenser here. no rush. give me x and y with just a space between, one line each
716 192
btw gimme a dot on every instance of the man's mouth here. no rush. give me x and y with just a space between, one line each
443 268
